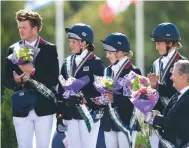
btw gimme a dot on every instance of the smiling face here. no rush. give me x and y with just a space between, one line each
161 47
111 56
177 78
26 31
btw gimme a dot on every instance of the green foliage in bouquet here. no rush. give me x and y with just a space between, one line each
8 136
142 139
109 83
146 85
136 84
25 54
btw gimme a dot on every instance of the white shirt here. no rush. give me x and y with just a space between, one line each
31 43
183 91
80 57
166 59
115 68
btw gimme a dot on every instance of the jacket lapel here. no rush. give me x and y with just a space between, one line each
73 67
69 65
108 71
87 57
180 100
169 65
124 67
40 42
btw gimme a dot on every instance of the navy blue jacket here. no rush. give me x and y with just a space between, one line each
47 70
174 124
92 66
122 104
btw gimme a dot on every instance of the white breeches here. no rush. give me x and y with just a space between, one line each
154 140
78 136
115 139
26 126
134 135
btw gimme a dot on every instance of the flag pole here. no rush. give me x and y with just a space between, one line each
60 30
139 24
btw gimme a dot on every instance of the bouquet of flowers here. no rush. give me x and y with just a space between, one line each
144 98
23 54
106 84
138 88
72 94
72 86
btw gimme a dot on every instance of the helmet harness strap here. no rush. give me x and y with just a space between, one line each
168 47
81 47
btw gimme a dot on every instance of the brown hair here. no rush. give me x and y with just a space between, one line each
89 46
34 18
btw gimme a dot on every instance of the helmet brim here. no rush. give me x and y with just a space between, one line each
158 39
104 42
71 34
69 30
108 47
155 38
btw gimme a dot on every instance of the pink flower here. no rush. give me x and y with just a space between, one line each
144 81
143 90
137 95
152 97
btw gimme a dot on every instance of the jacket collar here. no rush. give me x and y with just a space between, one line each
41 41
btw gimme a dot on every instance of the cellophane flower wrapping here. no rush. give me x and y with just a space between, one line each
104 85
138 89
23 54
72 86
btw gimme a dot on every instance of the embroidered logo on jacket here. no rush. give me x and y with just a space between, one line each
86 68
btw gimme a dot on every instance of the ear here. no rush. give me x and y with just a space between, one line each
170 44
121 53
184 76
35 28
83 43
118 53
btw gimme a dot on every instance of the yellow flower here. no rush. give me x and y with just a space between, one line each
109 83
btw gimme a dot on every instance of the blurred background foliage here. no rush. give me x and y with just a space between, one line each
155 12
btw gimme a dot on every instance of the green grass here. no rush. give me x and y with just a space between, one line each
8 136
